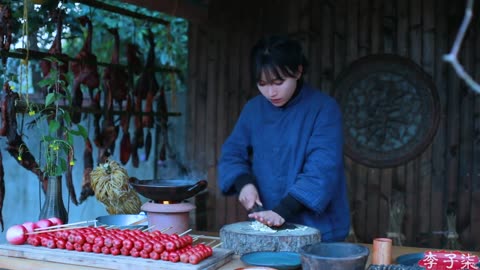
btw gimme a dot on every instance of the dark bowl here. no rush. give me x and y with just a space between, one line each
334 256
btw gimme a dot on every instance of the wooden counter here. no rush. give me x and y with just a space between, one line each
10 261
396 251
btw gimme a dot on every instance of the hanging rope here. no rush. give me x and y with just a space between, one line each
26 45
174 11
172 77
40 183
24 61
24 64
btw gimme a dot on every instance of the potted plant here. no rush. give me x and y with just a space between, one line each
57 139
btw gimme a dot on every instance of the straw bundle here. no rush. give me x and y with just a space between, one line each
110 184
397 213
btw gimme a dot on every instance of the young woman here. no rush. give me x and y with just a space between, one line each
285 151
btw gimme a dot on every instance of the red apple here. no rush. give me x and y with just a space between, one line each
30 226
56 221
17 235
44 223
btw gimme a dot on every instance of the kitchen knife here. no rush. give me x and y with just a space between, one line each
256 208
284 226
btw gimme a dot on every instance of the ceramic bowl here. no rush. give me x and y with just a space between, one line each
255 268
334 256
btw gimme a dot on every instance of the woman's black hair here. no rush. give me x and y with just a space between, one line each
277 57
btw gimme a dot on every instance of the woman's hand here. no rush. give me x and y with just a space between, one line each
268 218
248 196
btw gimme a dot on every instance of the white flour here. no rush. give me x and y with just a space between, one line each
258 226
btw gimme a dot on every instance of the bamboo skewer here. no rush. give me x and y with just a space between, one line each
211 243
56 230
166 229
217 245
64 225
137 222
185 232
148 228
204 236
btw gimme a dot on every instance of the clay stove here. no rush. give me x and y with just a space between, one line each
165 215
168 208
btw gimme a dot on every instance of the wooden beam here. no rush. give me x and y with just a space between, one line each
126 12
21 106
178 8
37 55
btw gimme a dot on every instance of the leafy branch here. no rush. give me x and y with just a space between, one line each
58 141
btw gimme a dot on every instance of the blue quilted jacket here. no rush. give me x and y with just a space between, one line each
295 149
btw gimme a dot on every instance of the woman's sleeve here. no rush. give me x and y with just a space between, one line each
322 172
234 164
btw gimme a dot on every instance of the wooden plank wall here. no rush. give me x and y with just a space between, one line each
336 33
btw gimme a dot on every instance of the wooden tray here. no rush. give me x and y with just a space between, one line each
220 257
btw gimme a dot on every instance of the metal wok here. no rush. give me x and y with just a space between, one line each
173 190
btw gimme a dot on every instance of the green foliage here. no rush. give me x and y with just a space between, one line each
171 50
58 140
171 41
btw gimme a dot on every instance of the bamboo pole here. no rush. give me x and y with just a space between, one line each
38 55
22 107
122 11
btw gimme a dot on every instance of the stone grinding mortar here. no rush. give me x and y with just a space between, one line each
334 256
242 238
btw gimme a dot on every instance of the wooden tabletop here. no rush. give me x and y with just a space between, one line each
11 262
396 252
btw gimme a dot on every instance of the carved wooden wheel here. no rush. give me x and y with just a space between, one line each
390 109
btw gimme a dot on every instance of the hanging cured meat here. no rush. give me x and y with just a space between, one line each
2 189
134 58
163 115
125 143
60 65
147 81
84 69
15 145
115 78
6 22
87 190
69 177
146 88
115 86
135 67
138 133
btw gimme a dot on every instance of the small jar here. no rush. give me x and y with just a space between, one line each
382 251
